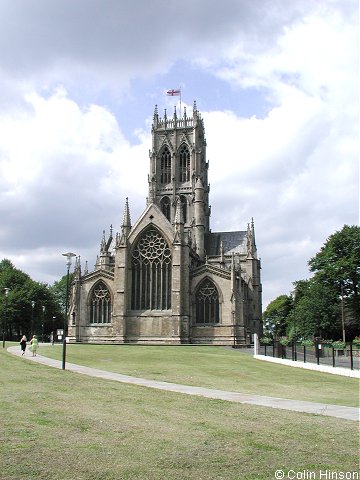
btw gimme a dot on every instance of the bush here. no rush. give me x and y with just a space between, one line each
307 342
265 340
339 345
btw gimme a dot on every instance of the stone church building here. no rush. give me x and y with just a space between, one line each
167 278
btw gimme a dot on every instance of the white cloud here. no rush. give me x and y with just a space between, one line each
59 161
295 170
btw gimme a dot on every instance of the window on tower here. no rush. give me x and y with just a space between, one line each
165 207
184 207
165 166
184 157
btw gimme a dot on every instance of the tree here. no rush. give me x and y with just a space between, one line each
17 314
337 266
316 310
276 316
58 290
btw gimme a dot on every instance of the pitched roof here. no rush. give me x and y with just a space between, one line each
233 242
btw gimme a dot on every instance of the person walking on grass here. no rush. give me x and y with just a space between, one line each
23 344
34 345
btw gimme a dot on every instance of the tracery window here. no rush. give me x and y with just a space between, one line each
165 207
100 304
151 273
207 302
184 157
165 166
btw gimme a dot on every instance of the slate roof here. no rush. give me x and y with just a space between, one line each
232 242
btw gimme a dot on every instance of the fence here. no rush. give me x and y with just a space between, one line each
321 354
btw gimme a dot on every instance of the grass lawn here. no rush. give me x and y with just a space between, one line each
58 425
213 367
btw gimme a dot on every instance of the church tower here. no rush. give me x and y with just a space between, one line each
179 172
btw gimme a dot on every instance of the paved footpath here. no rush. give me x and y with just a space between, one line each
348 413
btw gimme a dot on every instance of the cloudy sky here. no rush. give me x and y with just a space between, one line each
275 81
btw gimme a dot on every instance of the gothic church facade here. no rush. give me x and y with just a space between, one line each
168 279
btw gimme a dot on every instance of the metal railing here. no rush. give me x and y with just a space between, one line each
321 354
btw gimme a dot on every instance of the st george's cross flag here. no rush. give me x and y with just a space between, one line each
173 93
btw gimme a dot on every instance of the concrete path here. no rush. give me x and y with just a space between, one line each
348 413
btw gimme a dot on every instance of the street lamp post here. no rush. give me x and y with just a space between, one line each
342 313
53 330
69 257
295 328
42 324
32 317
6 290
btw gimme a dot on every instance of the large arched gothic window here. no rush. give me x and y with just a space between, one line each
184 157
151 273
165 207
165 166
207 302
100 304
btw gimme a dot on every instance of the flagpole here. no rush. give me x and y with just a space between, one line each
173 93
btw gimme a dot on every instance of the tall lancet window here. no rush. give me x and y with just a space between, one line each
184 173
165 207
151 273
165 166
207 302
100 304
184 207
